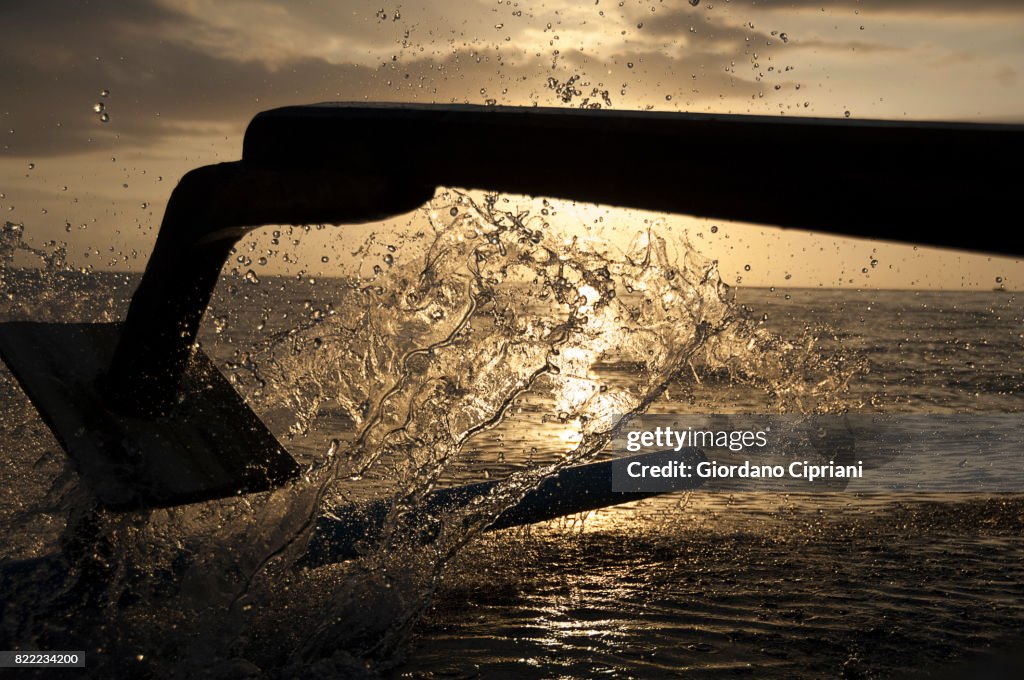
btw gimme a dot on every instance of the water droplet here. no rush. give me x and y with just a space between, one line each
453 212
104 92
874 263
784 37
104 118
694 3
714 229
325 259
746 267
846 113
389 259
250 277
99 107
31 166
999 279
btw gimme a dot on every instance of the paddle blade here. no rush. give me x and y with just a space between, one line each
210 446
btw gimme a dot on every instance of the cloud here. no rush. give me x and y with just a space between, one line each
847 46
171 71
177 67
931 7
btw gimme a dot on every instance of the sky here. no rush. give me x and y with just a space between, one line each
177 81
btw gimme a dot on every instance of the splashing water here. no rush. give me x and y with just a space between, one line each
491 315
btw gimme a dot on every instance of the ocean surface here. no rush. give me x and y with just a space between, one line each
700 585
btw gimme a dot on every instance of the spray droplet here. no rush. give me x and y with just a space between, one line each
325 259
714 230
784 37
846 113
31 166
694 3
453 212
250 277
104 118
104 92
746 267
99 107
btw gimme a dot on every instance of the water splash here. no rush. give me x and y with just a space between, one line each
489 314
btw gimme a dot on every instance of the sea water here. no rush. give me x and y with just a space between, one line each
501 350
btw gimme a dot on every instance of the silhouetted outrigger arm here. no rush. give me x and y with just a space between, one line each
149 421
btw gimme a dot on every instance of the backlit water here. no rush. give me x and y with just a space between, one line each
497 349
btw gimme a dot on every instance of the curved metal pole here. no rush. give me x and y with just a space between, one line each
209 211
900 181
922 182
